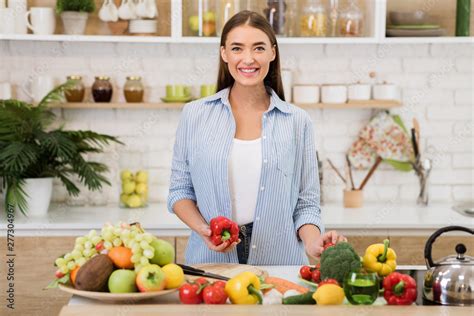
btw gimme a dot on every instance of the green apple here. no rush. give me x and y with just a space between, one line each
142 176
128 187
151 278
209 16
164 252
134 200
122 281
194 23
126 175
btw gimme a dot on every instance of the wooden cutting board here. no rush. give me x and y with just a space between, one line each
228 269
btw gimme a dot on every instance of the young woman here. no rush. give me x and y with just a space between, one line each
246 154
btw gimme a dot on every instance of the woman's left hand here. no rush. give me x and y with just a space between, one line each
316 248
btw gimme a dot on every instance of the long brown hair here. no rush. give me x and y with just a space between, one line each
253 19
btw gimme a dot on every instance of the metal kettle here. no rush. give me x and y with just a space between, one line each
451 280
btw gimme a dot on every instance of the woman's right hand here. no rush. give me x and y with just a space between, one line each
205 232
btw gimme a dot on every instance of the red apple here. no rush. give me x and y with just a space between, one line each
151 278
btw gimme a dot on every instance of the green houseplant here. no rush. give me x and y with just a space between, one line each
74 14
31 149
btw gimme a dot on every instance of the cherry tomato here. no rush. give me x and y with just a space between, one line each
219 283
328 281
214 294
316 276
327 245
59 274
190 293
318 266
305 272
99 246
201 281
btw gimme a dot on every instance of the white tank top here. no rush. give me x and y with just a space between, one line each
245 166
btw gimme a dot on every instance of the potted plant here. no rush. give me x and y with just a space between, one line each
74 14
32 153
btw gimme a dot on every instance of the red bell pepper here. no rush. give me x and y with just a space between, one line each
223 229
400 289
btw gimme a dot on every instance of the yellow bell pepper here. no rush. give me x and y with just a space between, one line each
244 289
380 258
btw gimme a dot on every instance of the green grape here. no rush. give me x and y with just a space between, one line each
71 265
108 245
148 253
76 254
79 247
139 237
144 244
80 240
81 261
60 262
148 237
88 245
92 233
64 269
68 256
117 242
135 248
96 239
144 261
125 234
108 235
117 231
135 258
87 252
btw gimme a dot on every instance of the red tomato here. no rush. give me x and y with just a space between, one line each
318 266
316 276
190 294
219 283
59 274
328 281
201 281
327 245
305 272
214 294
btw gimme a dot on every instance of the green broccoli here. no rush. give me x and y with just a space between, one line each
338 260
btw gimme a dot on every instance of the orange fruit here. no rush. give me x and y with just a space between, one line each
74 274
121 257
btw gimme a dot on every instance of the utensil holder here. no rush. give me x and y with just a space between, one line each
353 198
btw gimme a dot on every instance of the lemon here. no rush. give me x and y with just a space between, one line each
123 198
134 201
126 175
329 294
141 188
174 275
142 176
128 187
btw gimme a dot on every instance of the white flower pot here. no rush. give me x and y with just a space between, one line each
74 22
38 196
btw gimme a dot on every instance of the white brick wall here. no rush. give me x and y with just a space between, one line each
436 86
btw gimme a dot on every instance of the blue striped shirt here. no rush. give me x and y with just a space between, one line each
288 194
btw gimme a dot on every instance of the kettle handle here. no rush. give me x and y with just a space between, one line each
436 234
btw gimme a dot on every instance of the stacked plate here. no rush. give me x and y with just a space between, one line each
417 23
142 27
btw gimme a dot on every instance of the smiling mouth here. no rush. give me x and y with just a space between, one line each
248 72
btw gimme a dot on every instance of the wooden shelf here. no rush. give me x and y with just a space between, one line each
370 104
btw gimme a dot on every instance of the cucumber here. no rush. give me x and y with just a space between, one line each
302 299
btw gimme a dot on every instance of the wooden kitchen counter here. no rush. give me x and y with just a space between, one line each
241 310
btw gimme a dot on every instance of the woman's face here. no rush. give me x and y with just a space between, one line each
248 53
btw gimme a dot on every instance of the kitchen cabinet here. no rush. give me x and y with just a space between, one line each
175 14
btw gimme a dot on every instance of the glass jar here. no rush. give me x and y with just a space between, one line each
201 18
314 19
102 89
76 92
225 10
133 89
275 14
350 20
133 188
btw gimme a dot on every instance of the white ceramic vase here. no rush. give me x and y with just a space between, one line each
38 198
